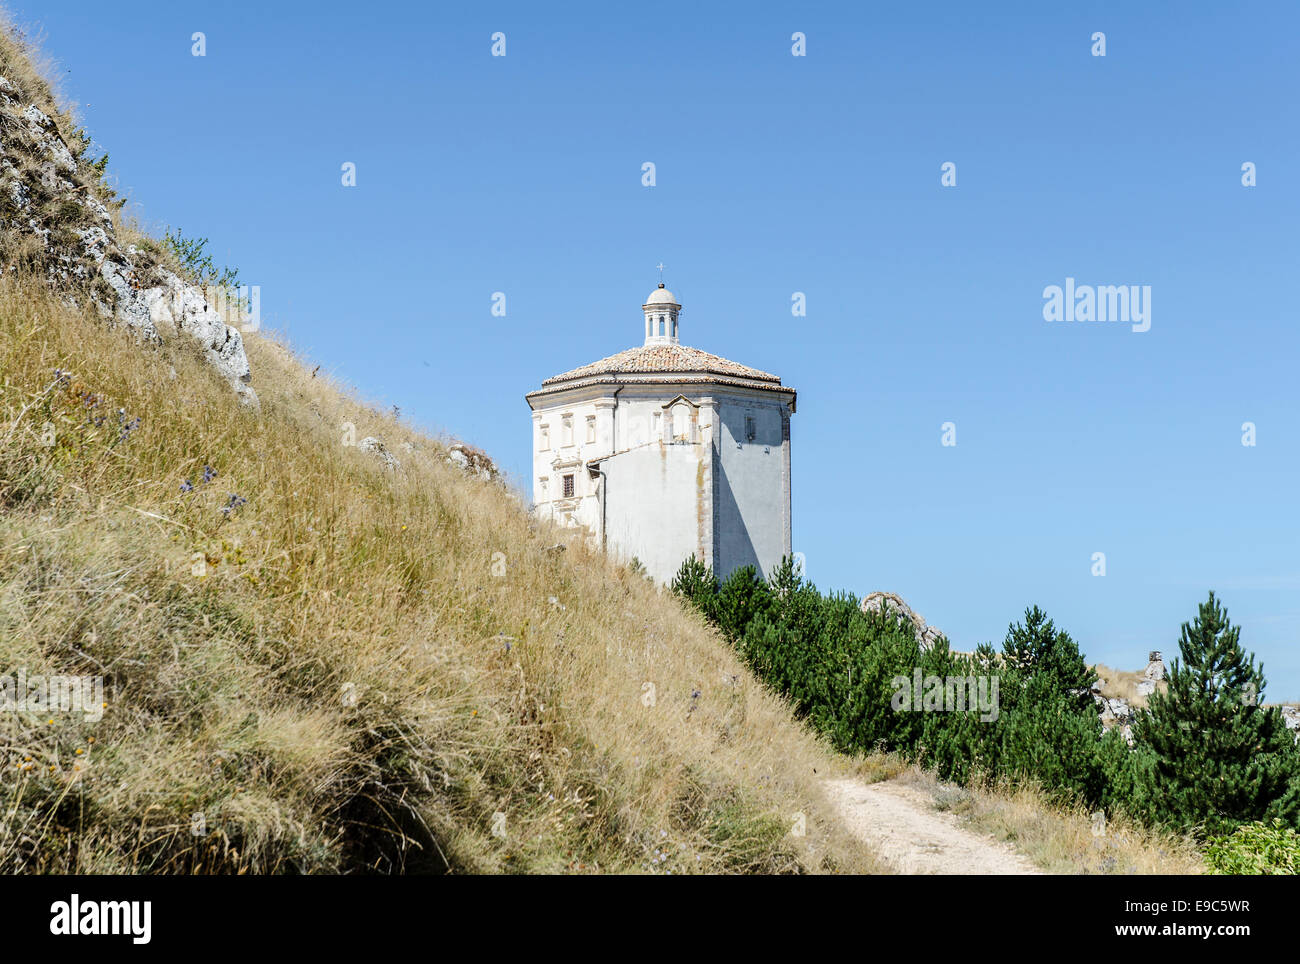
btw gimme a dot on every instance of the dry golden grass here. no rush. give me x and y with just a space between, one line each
1060 840
30 68
331 674
1122 684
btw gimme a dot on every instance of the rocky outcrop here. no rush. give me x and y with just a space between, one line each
1116 712
1155 670
173 306
926 636
1291 717
473 461
375 447
54 220
468 459
1154 673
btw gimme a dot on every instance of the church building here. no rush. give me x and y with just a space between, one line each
663 451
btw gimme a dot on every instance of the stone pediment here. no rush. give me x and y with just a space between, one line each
679 398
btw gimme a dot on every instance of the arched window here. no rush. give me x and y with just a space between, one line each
661 325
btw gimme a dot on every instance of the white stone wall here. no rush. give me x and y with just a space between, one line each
680 475
555 456
642 418
657 505
752 491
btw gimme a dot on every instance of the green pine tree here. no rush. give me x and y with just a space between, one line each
1038 652
742 596
785 578
1218 757
1049 730
696 583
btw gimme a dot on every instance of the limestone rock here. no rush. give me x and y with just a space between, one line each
85 258
1119 709
375 447
473 461
926 635
1155 670
929 636
1291 717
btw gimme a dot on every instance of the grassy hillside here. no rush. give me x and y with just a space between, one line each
340 673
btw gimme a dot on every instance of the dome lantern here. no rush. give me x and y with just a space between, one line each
661 310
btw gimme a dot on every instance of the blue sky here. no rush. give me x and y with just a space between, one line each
776 174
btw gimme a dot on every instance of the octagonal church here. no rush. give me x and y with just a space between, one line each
663 451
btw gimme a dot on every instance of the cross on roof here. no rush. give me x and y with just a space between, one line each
660 266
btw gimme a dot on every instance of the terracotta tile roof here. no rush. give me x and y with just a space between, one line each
664 360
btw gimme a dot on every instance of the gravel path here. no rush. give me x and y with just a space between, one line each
902 825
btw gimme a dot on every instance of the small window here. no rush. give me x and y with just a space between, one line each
543 487
750 433
591 429
657 433
681 415
568 486
566 437
661 325
545 443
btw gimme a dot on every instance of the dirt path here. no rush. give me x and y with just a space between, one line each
901 824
